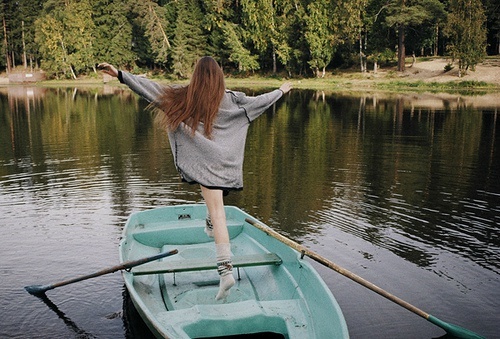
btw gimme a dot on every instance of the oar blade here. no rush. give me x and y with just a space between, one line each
37 289
454 331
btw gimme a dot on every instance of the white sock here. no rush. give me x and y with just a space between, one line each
225 270
209 227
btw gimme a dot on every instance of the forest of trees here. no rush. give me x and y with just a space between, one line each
66 38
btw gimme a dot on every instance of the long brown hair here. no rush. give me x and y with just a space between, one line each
195 103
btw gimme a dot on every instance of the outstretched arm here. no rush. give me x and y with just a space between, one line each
255 106
146 88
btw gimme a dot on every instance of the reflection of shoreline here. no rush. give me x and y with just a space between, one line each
447 101
425 100
22 92
36 92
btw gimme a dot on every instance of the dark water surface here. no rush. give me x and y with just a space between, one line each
402 190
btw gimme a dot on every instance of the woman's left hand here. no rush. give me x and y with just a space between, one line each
108 69
286 87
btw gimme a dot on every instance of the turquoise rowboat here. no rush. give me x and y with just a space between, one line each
276 290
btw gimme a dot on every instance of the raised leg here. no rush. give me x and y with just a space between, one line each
215 205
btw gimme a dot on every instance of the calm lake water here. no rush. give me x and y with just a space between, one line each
403 190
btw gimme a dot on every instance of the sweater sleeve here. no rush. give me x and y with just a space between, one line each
255 106
146 88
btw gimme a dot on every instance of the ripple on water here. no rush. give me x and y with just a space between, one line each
417 232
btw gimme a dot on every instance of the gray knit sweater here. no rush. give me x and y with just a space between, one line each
215 163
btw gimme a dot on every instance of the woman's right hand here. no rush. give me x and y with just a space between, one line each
108 69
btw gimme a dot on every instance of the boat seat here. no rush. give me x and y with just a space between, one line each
201 264
179 232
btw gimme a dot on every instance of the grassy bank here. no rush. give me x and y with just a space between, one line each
347 83
453 86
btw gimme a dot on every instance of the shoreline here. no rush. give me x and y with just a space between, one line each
424 76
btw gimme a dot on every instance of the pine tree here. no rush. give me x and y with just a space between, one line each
153 24
189 42
238 53
80 35
492 9
7 10
25 50
407 13
284 38
113 33
260 26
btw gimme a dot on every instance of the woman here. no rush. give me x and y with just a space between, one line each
207 127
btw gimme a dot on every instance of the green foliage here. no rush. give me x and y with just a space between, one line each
258 18
152 19
113 32
320 38
286 41
237 52
409 13
492 10
448 67
404 14
189 38
385 56
23 29
67 37
17 34
79 29
467 33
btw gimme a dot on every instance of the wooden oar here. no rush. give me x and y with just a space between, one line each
40 289
453 330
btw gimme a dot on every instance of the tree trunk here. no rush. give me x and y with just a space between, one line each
73 75
25 60
436 41
66 61
401 48
361 54
6 44
274 60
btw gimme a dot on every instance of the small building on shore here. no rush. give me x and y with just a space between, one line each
20 77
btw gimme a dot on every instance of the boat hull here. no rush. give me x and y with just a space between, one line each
275 292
